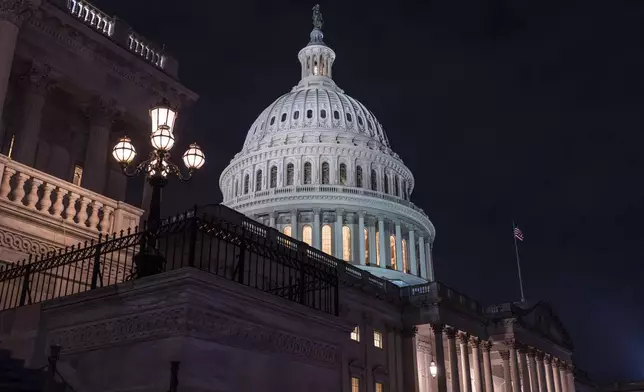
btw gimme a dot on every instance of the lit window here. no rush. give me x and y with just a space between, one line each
355 334
343 174
392 247
359 177
290 170
78 175
273 183
346 243
386 183
287 230
307 234
366 246
355 384
326 239
377 338
404 255
374 180
379 387
377 248
246 183
325 173
307 173
258 181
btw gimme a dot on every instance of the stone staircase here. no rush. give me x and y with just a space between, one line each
14 377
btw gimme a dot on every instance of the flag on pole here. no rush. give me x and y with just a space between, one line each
518 234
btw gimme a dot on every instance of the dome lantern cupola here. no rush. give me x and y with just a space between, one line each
316 58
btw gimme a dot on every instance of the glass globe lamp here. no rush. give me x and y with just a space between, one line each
162 116
433 369
124 151
194 157
162 139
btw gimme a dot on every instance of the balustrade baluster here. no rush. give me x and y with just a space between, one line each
32 197
18 192
70 212
5 186
94 218
105 222
45 201
81 216
58 204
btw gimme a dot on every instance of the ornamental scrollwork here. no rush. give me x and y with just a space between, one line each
16 11
24 244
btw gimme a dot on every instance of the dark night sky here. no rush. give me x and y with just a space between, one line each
502 111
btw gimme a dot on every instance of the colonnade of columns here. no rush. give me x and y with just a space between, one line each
370 238
467 363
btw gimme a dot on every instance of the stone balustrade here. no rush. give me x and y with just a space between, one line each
91 16
35 194
145 49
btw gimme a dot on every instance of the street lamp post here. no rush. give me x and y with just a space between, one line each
158 168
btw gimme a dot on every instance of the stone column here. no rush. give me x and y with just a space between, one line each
316 229
271 219
534 378
295 232
487 367
547 368
338 233
36 83
381 241
399 252
441 366
430 262
541 376
514 363
463 340
12 14
453 359
523 365
361 244
507 374
372 241
555 375
412 252
101 115
476 364
563 379
421 259
410 360
570 377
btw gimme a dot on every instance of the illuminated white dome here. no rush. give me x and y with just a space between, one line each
317 165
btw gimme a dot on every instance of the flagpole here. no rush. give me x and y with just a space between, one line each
516 250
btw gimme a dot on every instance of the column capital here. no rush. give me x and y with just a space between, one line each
547 358
101 111
16 11
339 211
316 211
463 338
437 328
39 79
272 214
475 342
505 355
362 213
532 352
487 346
450 333
540 355
512 343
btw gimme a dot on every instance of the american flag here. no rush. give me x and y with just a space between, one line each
518 234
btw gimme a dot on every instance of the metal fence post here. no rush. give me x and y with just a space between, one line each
193 241
25 284
50 382
174 376
97 264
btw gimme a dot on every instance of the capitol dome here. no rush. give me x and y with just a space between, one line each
317 165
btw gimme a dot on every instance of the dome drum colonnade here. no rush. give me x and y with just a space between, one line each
317 164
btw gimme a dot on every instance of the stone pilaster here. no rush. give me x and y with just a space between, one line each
422 260
463 340
381 241
338 233
399 252
514 363
101 114
412 252
547 368
361 242
316 228
563 379
295 227
556 381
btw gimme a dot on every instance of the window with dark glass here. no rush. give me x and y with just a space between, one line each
374 180
246 183
309 113
307 173
360 120
296 115
359 177
404 190
258 181
336 115
349 117
283 117
236 188
273 181
272 120
323 113
343 174
290 170
396 190
386 183
325 173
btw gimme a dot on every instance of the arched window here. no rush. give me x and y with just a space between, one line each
272 120
309 113
273 182
323 113
343 174
287 230
290 170
392 247
336 115
326 239
325 172
307 173
258 181
377 248
374 180
236 188
404 256
296 115
396 189
359 177
366 246
386 183
349 119
283 117
246 183
346 243
307 234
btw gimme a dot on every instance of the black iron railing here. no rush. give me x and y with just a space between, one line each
219 241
